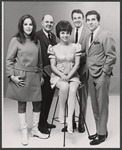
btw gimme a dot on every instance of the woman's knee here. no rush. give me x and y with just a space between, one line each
74 87
21 107
64 88
36 106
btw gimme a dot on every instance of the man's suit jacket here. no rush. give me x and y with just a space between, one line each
44 42
101 54
82 41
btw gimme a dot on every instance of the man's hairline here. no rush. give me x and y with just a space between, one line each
47 15
77 13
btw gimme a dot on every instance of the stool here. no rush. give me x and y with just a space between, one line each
65 114
48 71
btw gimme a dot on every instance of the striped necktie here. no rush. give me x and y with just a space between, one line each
50 38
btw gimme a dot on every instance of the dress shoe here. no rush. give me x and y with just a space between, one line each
50 125
74 125
44 130
81 128
92 137
99 139
65 128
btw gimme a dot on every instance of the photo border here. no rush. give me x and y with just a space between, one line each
1 41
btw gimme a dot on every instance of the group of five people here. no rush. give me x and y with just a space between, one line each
82 56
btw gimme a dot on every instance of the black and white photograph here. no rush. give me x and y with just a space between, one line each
60 74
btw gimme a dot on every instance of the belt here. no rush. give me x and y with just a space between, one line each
28 69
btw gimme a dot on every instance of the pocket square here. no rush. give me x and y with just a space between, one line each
96 42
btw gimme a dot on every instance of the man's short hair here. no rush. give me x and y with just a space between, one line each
76 11
93 12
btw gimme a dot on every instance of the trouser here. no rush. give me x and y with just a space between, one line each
99 88
83 95
47 97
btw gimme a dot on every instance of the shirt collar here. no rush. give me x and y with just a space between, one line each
95 32
79 29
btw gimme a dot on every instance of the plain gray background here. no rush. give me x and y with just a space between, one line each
110 20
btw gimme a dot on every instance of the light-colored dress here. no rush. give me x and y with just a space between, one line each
64 63
22 60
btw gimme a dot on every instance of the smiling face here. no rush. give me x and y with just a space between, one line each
77 19
27 26
92 22
64 36
47 23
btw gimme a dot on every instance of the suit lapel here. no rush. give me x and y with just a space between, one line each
72 36
53 40
82 35
87 43
45 39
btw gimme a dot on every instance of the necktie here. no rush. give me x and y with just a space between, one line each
50 38
92 37
76 36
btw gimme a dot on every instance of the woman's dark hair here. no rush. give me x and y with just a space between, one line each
93 12
20 35
63 26
78 11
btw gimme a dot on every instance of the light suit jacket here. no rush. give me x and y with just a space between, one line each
101 54
82 41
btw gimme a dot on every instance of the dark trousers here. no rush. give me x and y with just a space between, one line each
83 94
47 97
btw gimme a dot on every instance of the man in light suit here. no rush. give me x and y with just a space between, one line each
101 57
46 37
78 18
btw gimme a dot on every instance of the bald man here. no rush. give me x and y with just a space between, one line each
46 37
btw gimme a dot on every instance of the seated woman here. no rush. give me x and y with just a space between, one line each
65 60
